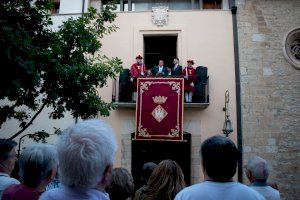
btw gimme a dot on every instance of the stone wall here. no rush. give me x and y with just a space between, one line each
270 89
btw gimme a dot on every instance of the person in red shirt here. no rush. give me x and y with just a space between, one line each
189 74
38 166
138 69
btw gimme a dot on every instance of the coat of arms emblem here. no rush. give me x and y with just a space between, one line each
160 15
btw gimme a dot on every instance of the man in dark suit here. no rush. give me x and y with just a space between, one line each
160 70
177 69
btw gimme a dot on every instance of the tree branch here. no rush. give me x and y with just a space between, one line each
29 123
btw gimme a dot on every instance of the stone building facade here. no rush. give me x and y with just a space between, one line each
270 89
270 86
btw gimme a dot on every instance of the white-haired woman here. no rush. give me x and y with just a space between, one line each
86 154
38 166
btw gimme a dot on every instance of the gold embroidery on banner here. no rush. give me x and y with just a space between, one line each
144 86
175 86
159 99
159 113
143 132
174 132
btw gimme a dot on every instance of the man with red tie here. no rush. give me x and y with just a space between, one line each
138 69
189 74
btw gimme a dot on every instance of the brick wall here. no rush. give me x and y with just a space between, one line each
270 89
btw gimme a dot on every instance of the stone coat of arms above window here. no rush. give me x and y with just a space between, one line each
160 16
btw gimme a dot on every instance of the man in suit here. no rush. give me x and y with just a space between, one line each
160 70
177 69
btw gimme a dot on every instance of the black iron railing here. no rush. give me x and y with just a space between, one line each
123 90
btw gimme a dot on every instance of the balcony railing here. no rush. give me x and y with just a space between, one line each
123 90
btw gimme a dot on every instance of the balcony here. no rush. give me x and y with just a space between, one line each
122 92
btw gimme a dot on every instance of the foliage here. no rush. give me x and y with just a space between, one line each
59 69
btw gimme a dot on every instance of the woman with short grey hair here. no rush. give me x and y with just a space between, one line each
86 154
38 166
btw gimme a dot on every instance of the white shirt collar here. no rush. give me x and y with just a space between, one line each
4 174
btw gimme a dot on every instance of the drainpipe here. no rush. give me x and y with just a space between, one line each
238 89
83 7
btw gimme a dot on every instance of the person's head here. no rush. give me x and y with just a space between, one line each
121 185
160 63
219 158
257 169
147 171
7 155
176 61
86 154
190 62
38 165
139 59
165 181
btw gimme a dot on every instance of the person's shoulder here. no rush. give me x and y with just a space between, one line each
189 192
13 187
6 181
51 194
276 192
248 192
13 181
10 191
267 190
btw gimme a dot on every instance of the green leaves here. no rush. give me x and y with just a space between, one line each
39 136
44 68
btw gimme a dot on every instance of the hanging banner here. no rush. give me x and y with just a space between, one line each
159 109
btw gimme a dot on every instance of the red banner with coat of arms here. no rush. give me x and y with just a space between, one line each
159 109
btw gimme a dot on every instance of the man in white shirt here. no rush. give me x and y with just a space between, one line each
160 70
257 171
219 162
7 163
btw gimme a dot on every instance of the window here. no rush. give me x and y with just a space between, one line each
146 5
212 4
291 48
55 8
141 5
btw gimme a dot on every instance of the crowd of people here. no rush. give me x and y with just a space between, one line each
83 159
138 69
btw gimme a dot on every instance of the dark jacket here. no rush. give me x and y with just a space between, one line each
177 71
165 71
